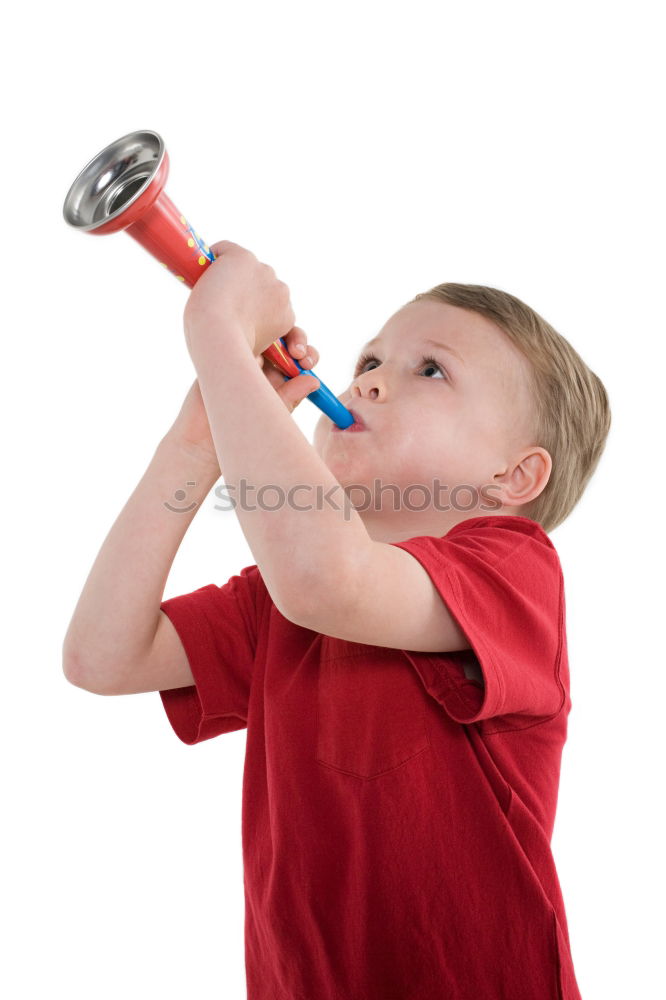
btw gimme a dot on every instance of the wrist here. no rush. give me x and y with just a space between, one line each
195 459
219 326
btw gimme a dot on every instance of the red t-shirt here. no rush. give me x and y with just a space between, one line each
397 814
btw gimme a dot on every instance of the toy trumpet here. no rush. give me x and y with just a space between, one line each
122 188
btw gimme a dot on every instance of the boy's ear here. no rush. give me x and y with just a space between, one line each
524 478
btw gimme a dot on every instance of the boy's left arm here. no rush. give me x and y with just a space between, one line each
320 566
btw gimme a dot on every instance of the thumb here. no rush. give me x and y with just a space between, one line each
293 390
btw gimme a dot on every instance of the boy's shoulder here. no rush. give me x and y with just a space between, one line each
492 538
512 523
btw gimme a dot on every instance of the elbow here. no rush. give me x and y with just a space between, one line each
290 606
76 675
70 665
71 668
321 597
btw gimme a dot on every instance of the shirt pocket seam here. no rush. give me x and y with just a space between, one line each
334 740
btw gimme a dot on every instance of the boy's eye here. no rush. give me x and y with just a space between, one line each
365 358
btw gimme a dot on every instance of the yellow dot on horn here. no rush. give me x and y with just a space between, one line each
202 260
183 220
180 277
190 242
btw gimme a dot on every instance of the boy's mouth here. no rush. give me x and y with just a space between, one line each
354 428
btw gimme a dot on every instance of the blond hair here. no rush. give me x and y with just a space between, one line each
571 416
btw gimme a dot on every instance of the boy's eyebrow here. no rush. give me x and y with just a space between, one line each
435 343
451 350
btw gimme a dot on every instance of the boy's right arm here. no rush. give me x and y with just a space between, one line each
118 640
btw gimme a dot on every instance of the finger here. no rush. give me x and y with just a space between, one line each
274 375
310 359
223 245
219 247
281 384
297 342
297 345
295 389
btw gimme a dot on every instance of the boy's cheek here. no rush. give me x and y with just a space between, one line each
320 432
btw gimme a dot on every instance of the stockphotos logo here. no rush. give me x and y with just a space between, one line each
359 497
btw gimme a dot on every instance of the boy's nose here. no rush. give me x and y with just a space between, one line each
369 389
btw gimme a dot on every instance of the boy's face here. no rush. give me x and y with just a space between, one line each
464 423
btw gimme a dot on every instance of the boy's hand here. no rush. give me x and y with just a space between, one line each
191 429
292 391
239 290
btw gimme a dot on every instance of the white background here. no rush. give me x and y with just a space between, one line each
367 151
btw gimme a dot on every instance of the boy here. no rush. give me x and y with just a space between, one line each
400 665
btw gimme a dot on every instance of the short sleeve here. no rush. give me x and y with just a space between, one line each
217 626
501 579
